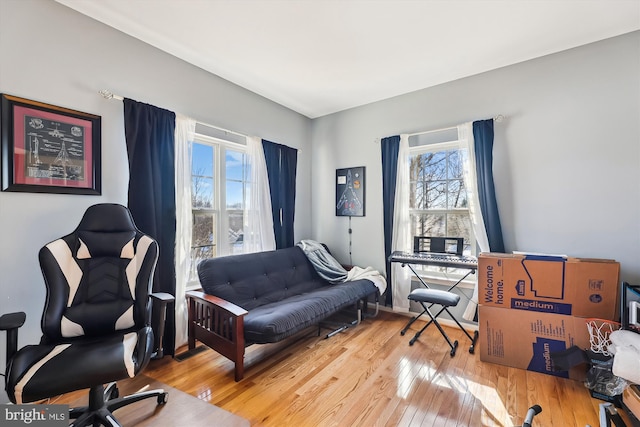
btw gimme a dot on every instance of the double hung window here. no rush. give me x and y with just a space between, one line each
438 203
219 191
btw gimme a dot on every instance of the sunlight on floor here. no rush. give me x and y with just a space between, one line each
205 394
411 374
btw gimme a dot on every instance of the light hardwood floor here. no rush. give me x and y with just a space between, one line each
370 376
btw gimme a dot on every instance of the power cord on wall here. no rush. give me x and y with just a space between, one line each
350 241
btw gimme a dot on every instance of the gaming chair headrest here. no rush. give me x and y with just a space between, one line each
107 218
106 230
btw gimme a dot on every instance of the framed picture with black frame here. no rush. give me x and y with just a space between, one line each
49 149
350 191
630 307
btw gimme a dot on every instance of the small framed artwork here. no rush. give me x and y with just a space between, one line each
49 149
350 191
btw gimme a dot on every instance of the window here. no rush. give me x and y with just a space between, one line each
219 190
438 204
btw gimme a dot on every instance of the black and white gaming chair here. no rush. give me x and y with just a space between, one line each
96 321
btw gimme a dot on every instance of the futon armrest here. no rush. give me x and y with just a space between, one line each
220 325
10 322
233 309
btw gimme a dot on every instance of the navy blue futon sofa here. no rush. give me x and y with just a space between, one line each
263 298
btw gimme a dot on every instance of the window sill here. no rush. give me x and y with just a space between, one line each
193 286
450 281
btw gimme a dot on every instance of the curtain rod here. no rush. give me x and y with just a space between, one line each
497 118
106 94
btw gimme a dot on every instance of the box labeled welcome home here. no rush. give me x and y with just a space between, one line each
526 340
549 284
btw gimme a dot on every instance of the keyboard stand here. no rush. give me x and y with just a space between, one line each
471 271
405 261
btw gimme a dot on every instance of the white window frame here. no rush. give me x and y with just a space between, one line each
441 275
220 147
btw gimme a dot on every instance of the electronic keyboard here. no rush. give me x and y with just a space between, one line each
437 259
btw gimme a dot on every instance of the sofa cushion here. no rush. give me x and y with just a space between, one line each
278 320
253 280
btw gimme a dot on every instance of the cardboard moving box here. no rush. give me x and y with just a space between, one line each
549 284
525 340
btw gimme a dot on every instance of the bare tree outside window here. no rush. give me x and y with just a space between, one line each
438 197
219 190
204 226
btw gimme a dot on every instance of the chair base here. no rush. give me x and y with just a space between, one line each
103 401
454 344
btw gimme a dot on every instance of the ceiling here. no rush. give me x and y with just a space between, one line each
318 57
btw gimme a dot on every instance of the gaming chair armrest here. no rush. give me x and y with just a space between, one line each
159 301
10 322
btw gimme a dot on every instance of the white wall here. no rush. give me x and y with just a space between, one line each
566 159
53 54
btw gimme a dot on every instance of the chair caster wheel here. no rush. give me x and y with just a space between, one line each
471 350
403 332
163 398
111 392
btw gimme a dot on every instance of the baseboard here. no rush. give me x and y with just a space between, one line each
441 320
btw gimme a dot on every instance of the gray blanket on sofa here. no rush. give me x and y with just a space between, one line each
326 265
329 269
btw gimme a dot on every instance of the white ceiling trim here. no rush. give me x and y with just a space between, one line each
318 57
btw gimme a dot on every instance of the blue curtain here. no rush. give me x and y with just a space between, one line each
390 147
150 137
483 137
281 169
